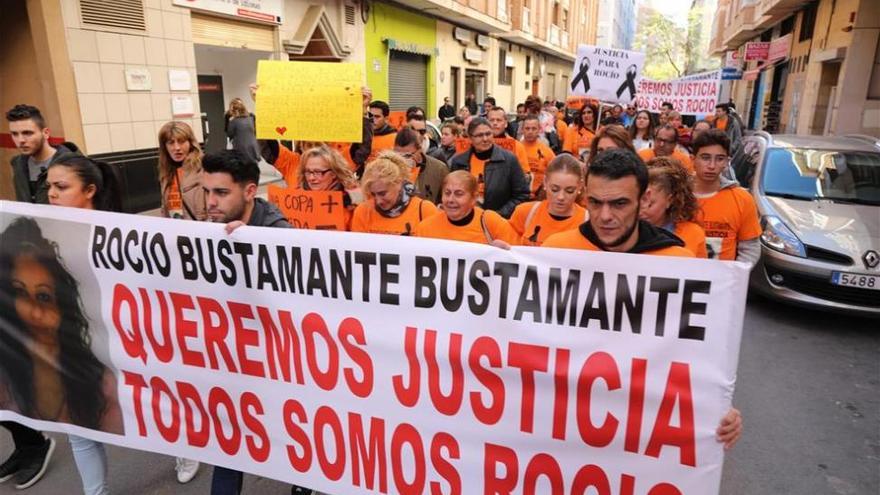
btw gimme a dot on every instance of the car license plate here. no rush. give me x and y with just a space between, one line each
856 280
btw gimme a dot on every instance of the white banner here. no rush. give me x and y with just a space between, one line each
607 74
696 94
357 363
271 11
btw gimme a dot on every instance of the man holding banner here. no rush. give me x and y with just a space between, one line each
230 181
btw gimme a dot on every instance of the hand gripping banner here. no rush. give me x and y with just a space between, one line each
609 75
360 364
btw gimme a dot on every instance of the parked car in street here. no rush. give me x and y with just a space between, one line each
819 202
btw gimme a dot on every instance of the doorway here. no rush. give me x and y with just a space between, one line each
454 87
823 117
213 112
475 83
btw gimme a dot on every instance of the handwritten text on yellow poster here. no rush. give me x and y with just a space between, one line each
309 101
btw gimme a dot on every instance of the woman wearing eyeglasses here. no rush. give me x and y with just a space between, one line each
501 184
323 169
580 134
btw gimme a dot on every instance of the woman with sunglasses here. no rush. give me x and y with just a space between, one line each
580 134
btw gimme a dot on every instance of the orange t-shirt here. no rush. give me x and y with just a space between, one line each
693 236
539 155
561 129
727 217
683 158
367 219
439 227
535 230
573 239
288 164
381 143
518 150
478 168
577 140
721 123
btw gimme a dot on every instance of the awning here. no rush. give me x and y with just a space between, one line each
416 48
316 38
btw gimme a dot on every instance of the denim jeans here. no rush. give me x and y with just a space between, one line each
91 462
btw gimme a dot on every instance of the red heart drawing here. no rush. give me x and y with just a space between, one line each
281 130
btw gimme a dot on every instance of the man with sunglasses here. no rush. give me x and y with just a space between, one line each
665 144
383 133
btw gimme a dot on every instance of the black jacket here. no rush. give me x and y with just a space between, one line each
21 177
650 238
266 214
506 185
442 153
446 112
385 130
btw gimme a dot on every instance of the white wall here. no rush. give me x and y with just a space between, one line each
237 67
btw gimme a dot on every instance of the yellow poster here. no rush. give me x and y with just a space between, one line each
309 101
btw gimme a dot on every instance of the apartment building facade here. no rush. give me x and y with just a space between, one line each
825 78
109 73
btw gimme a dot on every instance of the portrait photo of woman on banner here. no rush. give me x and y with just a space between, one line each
48 370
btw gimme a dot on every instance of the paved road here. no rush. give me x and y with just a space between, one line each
809 389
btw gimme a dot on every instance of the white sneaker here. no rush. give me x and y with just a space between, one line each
186 469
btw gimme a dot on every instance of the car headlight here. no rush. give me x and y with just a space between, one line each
778 237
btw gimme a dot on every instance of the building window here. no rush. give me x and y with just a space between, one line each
808 21
505 73
528 65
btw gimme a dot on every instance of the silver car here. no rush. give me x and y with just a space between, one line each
819 202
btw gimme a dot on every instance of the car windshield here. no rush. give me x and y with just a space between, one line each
842 176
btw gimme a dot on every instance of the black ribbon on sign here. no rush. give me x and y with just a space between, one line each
582 76
630 83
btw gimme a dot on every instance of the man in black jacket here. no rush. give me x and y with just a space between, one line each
31 136
503 180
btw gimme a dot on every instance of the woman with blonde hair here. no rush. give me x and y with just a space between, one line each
669 203
392 206
180 167
463 220
563 185
322 168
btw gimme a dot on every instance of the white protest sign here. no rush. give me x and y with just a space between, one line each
690 95
606 74
360 363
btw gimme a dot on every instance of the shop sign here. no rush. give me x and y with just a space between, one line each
779 48
473 55
751 75
733 60
269 11
138 80
463 36
757 50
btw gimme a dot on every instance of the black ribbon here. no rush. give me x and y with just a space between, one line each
630 82
582 76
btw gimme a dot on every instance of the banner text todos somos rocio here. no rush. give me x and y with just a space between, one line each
355 363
